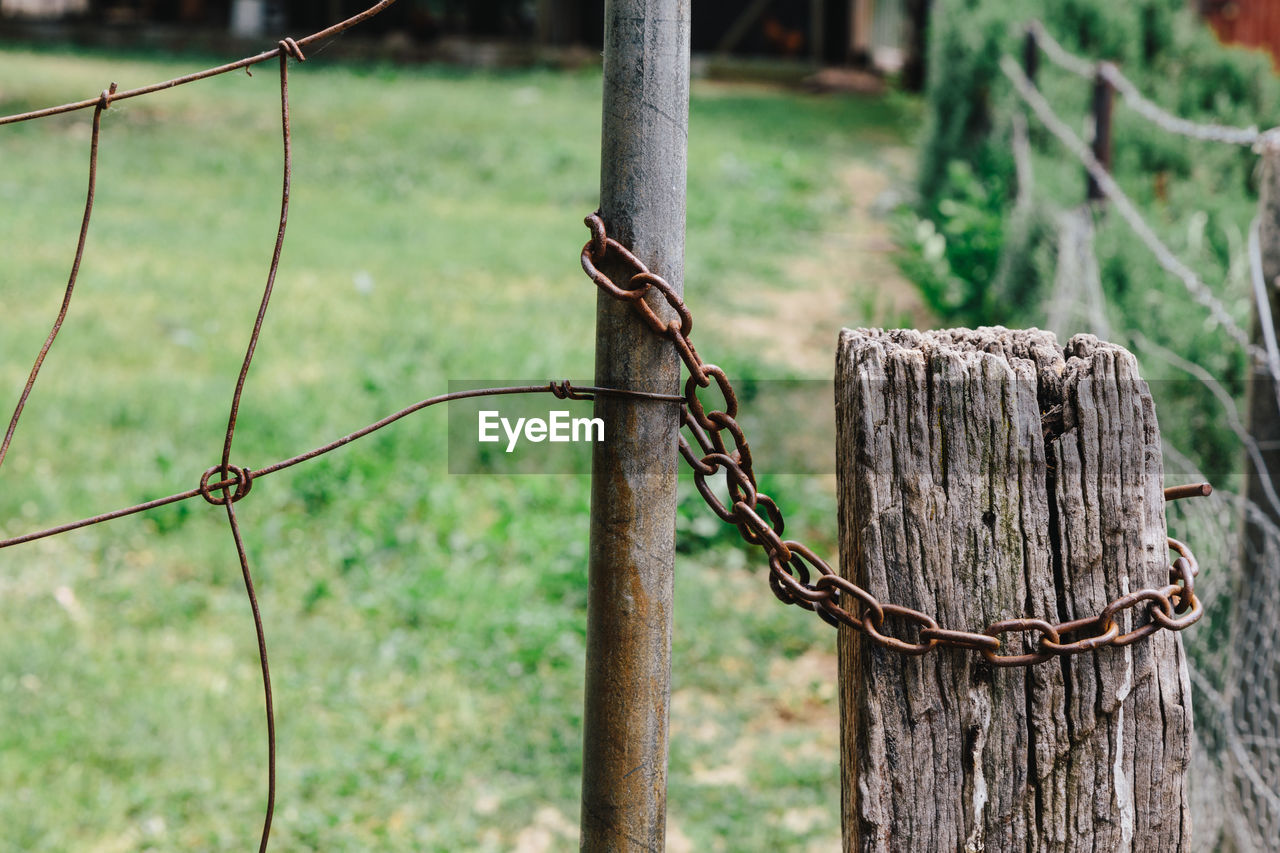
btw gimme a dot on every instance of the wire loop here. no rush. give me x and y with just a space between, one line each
289 47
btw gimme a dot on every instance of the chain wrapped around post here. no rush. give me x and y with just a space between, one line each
799 576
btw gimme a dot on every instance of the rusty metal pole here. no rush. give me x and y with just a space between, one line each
633 483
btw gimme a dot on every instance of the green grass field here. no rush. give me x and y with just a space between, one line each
426 630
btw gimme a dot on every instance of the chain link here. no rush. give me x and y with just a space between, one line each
799 576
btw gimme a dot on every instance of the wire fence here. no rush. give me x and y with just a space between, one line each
225 484
1196 287
723 447
1235 659
1161 118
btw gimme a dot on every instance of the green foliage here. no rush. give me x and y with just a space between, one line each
1199 197
966 39
953 254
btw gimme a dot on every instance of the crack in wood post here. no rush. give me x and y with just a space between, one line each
984 475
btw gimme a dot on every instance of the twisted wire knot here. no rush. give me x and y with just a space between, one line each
231 475
104 100
290 47
564 390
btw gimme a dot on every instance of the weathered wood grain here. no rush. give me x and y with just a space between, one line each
988 474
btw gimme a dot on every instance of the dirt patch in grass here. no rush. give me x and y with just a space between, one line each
850 280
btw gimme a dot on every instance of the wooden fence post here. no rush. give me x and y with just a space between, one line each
1253 681
1030 55
1103 100
633 472
984 476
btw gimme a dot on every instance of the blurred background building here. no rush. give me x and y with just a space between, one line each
886 34
1251 23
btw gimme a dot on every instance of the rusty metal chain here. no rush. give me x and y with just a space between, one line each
799 576
793 566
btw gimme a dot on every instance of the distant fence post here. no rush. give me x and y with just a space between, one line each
985 477
557 22
633 482
817 31
1264 414
1103 99
1030 55
1254 594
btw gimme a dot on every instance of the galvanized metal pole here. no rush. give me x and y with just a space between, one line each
633 491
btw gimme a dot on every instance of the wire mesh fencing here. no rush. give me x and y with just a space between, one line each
226 483
1235 656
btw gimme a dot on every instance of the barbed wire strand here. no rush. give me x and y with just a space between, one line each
1135 100
1199 291
104 101
248 61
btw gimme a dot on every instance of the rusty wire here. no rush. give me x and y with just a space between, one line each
240 480
104 101
792 565
234 481
248 61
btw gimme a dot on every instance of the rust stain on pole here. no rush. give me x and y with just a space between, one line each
633 492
